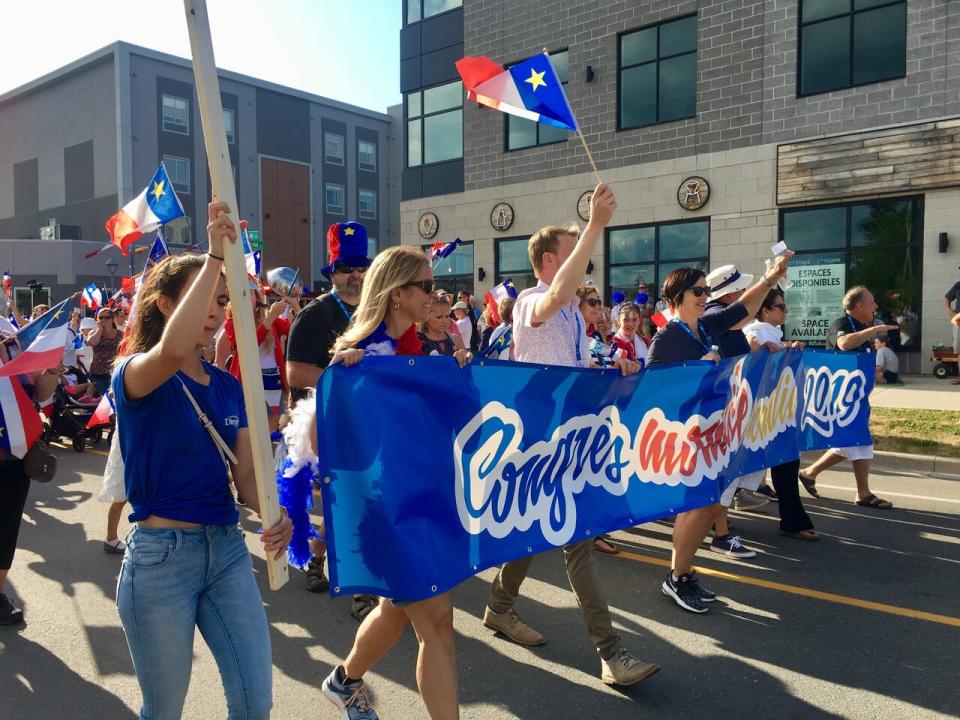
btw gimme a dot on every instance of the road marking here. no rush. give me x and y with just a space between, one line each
893 494
805 592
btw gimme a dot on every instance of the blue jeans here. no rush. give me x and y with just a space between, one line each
175 580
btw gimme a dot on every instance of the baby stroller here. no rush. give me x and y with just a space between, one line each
69 418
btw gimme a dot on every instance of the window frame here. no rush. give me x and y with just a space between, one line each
360 211
343 195
508 118
343 149
847 249
499 275
163 119
657 281
422 117
656 61
851 12
360 164
232 132
421 18
166 161
33 300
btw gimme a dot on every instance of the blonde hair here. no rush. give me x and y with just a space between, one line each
545 240
439 299
391 269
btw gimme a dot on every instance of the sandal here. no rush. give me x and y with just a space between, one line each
602 544
809 484
872 501
809 535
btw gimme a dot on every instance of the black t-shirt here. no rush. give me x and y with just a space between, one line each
673 343
953 295
730 342
315 330
845 326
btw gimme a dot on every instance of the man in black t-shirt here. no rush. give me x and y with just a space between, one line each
313 333
854 332
951 303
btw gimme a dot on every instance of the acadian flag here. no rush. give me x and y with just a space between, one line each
253 257
529 90
20 424
439 251
91 297
156 205
662 316
493 297
105 410
158 251
43 340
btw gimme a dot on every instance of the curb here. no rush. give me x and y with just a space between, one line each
918 463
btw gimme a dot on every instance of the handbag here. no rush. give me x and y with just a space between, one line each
39 463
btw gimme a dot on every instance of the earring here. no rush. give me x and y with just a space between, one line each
396 306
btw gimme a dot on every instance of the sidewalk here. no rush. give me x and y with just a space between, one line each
921 392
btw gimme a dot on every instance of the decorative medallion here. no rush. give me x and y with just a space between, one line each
583 205
501 217
428 225
693 193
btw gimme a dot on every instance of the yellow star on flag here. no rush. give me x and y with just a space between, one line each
57 314
157 190
348 231
536 79
1 430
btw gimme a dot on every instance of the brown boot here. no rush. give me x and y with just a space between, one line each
510 624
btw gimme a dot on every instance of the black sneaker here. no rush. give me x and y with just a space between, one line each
315 579
685 592
731 546
768 492
705 595
9 615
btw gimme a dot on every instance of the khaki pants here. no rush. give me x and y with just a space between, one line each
581 562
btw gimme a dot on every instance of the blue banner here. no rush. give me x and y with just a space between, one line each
431 473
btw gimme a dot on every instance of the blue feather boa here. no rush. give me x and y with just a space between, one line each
295 490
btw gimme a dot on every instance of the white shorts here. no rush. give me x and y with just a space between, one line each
864 452
750 481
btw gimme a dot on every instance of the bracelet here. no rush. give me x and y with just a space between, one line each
769 284
215 257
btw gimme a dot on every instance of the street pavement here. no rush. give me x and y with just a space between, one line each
864 624
921 392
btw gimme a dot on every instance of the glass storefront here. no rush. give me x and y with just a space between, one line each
878 243
454 273
513 262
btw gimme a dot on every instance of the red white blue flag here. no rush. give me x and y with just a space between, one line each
20 424
43 340
91 297
157 205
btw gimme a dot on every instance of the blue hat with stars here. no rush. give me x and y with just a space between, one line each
347 245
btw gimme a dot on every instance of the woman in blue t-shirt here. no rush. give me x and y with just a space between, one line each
187 564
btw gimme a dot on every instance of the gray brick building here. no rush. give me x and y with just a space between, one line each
79 143
831 126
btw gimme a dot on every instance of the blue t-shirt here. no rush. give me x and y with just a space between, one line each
172 467
730 342
673 343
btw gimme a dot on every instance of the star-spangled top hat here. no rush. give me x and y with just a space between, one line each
347 244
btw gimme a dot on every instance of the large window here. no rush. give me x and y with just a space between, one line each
367 155
435 124
333 198
844 43
368 204
648 253
877 244
230 123
455 272
418 10
523 133
175 114
513 262
658 74
178 168
333 148
27 299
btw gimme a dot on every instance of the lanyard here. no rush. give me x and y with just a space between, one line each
576 342
703 331
340 303
853 328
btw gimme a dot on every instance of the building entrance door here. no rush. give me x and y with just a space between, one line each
285 225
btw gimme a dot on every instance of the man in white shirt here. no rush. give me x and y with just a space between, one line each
548 329
461 312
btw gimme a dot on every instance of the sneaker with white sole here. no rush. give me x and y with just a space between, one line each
509 623
731 546
685 592
622 668
705 595
745 500
350 698
10 614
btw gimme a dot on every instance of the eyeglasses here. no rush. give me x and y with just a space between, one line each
425 285
593 302
347 269
699 290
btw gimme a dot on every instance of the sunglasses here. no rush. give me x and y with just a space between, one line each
699 291
425 285
593 302
780 306
347 269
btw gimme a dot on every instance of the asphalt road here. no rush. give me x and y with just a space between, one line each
865 624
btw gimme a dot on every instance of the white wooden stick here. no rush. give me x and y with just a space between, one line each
221 175
589 155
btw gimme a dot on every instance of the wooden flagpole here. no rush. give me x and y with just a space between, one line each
589 154
221 175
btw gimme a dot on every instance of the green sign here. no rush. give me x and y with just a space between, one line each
255 242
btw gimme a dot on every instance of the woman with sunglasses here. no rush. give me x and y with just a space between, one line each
591 307
766 331
105 341
397 294
690 336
